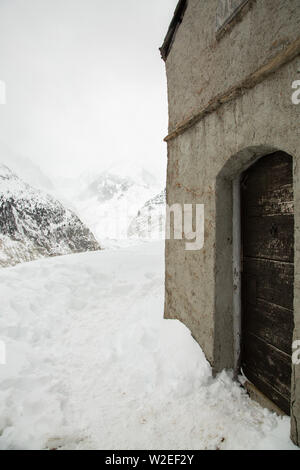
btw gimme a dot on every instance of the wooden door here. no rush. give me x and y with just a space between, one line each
267 211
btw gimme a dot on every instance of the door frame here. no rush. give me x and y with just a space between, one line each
227 306
237 271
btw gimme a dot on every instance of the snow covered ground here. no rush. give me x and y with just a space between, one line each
91 364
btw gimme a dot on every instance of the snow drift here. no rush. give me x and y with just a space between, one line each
92 364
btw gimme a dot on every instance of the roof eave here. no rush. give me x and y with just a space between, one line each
175 23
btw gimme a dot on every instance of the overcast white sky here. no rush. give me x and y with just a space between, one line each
85 83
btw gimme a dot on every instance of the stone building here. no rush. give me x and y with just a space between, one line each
233 71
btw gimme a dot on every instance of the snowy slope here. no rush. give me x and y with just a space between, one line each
91 364
107 202
24 168
33 224
149 222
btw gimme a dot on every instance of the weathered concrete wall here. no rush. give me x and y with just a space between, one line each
204 160
199 67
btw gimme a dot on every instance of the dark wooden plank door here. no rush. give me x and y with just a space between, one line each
267 212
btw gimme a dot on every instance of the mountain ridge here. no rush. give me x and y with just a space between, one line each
33 224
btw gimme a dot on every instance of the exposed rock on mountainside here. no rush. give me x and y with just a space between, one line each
33 224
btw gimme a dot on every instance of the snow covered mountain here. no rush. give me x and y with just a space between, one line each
25 169
33 224
107 187
108 202
149 222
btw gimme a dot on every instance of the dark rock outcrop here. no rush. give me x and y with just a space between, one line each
34 224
